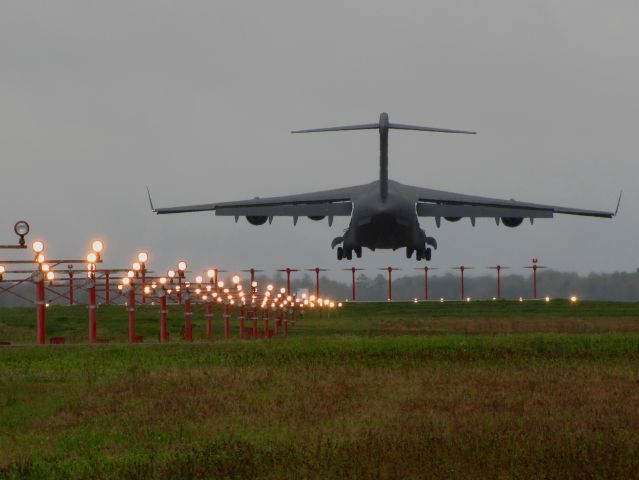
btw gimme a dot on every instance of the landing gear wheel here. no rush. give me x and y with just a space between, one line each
418 254
348 253
409 252
429 254
340 253
358 252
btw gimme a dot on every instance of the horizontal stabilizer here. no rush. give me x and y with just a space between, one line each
400 126
367 126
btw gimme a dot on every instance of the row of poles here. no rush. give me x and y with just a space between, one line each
284 305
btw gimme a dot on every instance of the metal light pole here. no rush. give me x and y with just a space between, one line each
161 292
426 269
390 281
498 269
38 278
227 323
252 271
209 319
182 266
353 271
462 269
288 277
241 319
70 284
266 329
129 286
317 271
534 268
254 305
143 257
188 328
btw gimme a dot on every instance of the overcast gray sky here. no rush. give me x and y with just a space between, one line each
197 98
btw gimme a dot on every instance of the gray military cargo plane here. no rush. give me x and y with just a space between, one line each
384 213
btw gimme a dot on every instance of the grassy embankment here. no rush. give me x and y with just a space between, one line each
477 390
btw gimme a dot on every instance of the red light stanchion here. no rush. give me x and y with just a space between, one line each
188 328
107 287
390 271
242 332
164 334
40 307
276 323
227 323
266 328
252 271
426 269
70 285
353 271
131 309
534 268
93 323
181 269
462 269
285 321
209 319
288 278
317 271
254 321
498 269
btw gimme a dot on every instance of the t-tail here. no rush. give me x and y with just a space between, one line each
384 125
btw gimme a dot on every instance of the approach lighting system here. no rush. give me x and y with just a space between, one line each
171 273
97 246
92 257
50 275
162 280
37 246
210 273
126 281
143 257
182 265
136 266
236 279
198 279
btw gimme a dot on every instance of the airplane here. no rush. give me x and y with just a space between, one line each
384 214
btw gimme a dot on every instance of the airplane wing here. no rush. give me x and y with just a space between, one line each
337 202
437 203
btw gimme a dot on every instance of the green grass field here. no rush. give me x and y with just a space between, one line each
453 390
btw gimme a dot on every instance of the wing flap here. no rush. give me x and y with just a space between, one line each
441 198
291 210
440 210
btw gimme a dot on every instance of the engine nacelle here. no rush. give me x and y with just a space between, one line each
453 219
256 220
512 222
317 218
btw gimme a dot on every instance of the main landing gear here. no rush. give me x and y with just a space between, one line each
424 253
348 253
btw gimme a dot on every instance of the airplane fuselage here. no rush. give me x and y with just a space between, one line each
378 222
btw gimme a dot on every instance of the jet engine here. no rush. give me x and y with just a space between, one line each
512 222
317 218
453 219
256 219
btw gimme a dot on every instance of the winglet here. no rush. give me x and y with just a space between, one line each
618 203
148 192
